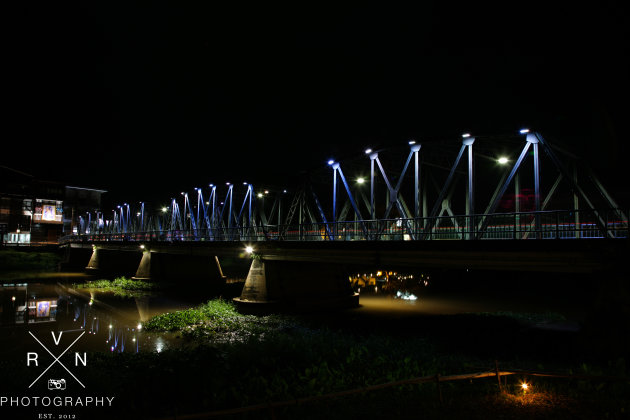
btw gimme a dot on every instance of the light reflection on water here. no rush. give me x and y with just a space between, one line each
109 323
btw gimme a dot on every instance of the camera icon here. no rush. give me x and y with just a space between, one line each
56 384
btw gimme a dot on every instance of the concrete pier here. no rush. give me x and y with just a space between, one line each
109 262
158 266
290 285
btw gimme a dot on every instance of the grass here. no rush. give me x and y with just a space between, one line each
120 286
15 261
250 360
219 320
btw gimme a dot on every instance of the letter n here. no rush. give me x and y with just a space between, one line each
77 358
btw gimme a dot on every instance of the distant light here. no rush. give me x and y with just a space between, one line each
141 246
412 142
13 298
503 160
367 152
182 193
245 183
266 191
260 195
465 135
138 214
524 131
525 386
360 180
249 249
284 191
211 185
111 326
133 339
330 162
227 183
164 209
207 203
139 326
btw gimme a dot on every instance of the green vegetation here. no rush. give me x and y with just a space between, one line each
120 286
117 283
15 261
250 360
218 320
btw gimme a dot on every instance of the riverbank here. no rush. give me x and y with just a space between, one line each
227 360
17 263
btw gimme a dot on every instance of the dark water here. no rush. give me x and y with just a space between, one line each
45 302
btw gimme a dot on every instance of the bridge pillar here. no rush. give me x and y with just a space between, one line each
112 262
75 258
295 286
162 266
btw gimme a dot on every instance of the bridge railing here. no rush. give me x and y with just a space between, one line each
565 224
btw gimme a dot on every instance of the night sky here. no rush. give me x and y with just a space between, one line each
146 100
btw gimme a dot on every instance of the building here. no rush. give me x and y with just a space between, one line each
38 212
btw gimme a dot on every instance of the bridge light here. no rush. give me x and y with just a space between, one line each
465 135
524 131
412 142
330 162
360 180
249 249
503 160
367 151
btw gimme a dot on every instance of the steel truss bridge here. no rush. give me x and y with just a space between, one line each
435 196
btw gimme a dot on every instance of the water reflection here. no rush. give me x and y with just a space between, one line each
404 286
111 323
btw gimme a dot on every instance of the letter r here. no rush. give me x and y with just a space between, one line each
31 356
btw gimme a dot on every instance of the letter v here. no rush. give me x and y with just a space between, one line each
56 340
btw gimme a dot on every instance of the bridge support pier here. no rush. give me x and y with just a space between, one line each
161 266
112 262
295 286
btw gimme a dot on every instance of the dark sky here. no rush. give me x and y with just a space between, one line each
148 99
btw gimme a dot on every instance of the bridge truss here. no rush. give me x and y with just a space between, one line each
448 190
